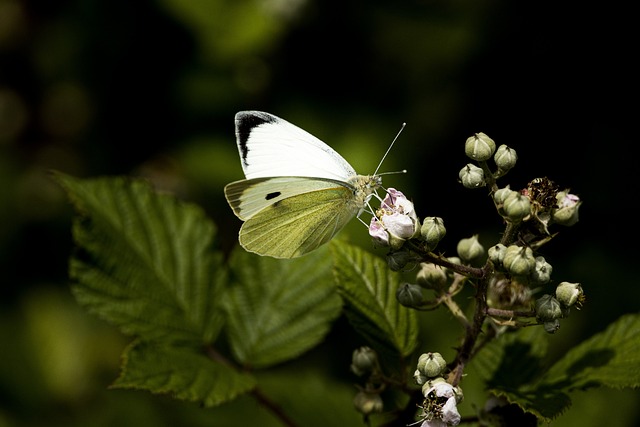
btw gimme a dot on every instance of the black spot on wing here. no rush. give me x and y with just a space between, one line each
272 195
246 121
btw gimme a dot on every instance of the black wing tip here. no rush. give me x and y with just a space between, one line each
246 121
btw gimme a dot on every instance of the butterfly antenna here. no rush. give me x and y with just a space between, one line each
389 149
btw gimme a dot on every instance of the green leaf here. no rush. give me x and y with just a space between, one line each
368 288
512 364
544 402
279 309
514 359
183 372
144 261
610 358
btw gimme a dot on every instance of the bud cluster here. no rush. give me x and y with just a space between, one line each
508 277
480 148
528 213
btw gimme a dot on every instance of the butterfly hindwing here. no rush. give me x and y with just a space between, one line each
250 196
299 224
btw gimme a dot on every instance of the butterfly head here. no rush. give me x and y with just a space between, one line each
364 187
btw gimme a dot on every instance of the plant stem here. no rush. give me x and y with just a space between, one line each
509 314
472 333
273 408
270 405
427 256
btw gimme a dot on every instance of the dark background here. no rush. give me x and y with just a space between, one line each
149 88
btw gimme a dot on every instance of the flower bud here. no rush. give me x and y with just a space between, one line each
398 260
479 147
364 361
368 403
518 260
548 309
432 231
471 176
567 212
541 272
569 293
431 276
496 254
505 158
431 364
551 326
501 195
516 207
452 260
409 295
470 249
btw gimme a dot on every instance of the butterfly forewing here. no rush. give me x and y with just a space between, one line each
270 146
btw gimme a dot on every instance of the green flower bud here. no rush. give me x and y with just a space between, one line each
432 231
567 212
516 207
431 276
409 295
396 243
496 254
551 326
548 309
501 195
368 403
479 147
398 260
364 361
471 176
569 293
470 249
431 364
452 260
519 260
541 272
505 158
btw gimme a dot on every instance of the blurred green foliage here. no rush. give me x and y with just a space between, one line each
149 88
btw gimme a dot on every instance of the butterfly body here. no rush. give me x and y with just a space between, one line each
299 192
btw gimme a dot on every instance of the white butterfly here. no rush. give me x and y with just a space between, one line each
299 192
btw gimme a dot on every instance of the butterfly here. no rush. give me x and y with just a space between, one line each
298 192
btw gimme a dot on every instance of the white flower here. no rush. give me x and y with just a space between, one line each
433 423
378 233
440 405
395 221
